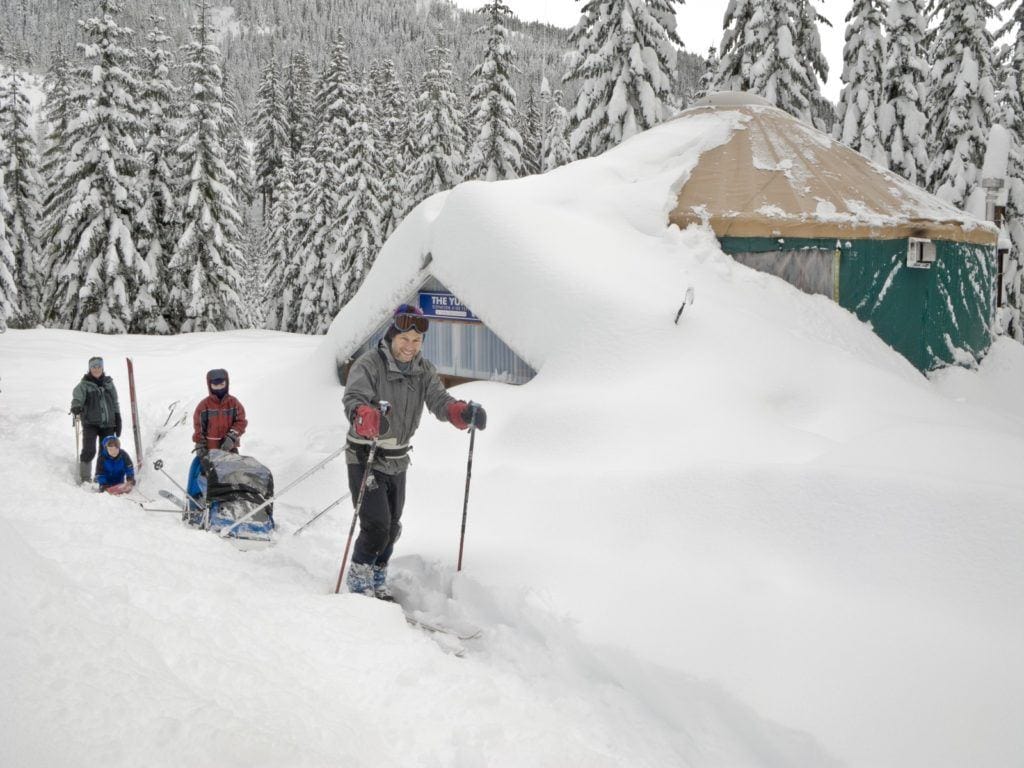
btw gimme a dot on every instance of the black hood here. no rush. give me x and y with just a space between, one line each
218 373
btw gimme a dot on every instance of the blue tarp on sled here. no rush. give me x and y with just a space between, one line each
231 486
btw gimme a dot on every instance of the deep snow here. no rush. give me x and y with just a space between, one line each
815 570
758 537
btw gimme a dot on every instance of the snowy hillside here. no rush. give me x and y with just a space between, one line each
761 539
758 537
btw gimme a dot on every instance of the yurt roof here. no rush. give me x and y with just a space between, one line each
779 177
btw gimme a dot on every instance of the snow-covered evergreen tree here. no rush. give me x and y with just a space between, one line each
8 289
861 97
808 46
361 202
158 220
497 150
901 120
556 139
707 79
59 107
271 134
280 248
531 132
742 45
208 253
319 210
1012 93
961 97
624 61
437 137
24 191
389 112
298 96
96 268
772 48
236 148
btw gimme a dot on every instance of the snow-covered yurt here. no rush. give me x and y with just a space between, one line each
459 344
784 198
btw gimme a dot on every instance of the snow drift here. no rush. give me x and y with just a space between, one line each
765 495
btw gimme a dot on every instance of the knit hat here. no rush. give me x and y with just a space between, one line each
95 362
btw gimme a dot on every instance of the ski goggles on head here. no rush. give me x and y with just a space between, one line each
408 321
95 362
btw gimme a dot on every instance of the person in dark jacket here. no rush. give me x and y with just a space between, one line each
114 466
219 419
395 372
94 403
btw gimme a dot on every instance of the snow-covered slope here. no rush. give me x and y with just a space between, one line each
758 537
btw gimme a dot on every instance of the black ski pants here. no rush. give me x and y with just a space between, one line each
92 436
380 516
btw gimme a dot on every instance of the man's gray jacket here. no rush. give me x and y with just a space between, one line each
375 376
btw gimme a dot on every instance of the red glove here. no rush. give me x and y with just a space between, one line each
455 414
367 421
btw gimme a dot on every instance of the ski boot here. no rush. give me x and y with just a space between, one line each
381 590
360 579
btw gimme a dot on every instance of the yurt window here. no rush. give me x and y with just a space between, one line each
812 270
920 253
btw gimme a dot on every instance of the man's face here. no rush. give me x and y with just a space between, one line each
405 346
96 371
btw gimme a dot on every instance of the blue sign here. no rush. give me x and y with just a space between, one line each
444 306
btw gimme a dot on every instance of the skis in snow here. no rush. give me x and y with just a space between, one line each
468 633
136 432
174 499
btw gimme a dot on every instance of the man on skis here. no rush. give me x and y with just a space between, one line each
94 402
397 373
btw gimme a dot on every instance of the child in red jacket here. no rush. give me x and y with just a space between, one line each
219 420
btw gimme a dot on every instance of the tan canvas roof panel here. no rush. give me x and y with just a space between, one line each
778 177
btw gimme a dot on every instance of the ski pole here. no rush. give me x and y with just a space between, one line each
367 473
364 483
320 514
78 435
158 465
282 492
469 474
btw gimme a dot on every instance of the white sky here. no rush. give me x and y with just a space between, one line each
699 26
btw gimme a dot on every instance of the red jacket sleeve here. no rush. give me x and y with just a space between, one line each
240 422
197 427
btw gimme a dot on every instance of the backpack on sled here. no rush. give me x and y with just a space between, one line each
230 486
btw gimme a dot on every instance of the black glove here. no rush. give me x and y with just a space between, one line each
76 410
117 425
201 450
475 416
228 442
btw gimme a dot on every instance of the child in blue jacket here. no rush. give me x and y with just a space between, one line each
114 470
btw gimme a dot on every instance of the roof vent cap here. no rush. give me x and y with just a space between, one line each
731 99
